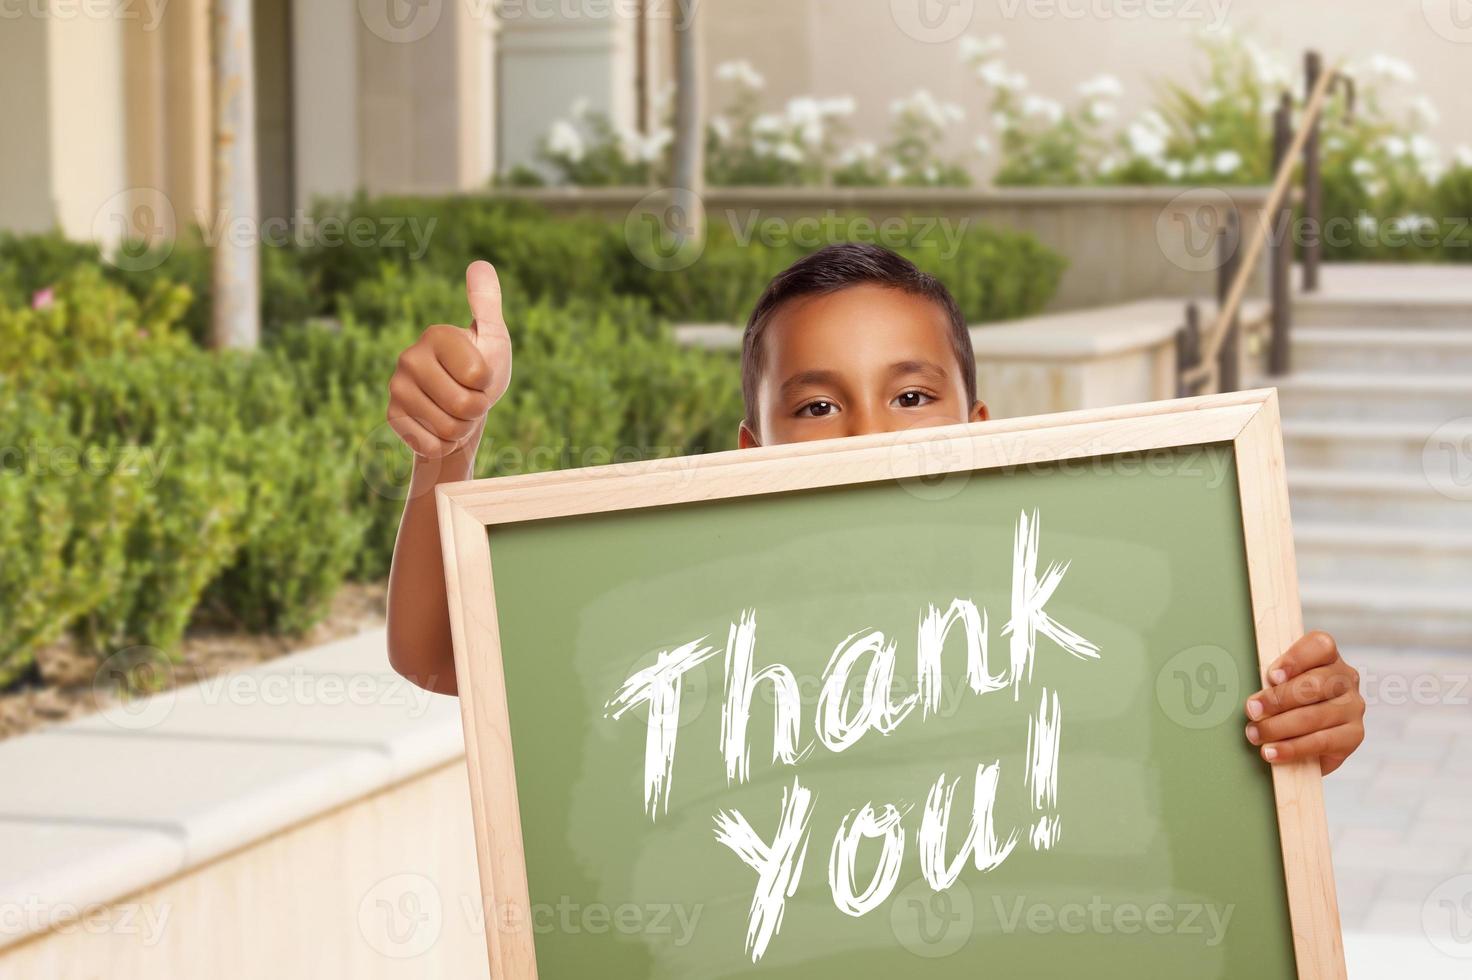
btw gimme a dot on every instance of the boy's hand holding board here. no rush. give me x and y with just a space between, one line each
795 711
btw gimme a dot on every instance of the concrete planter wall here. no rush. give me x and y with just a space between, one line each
1123 243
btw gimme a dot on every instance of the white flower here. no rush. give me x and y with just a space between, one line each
973 48
1145 141
1211 96
924 106
995 74
1174 169
1463 155
1198 164
767 124
1367 223
1048 109
1425 110
897 173
1108 164
1412 222
931 174
843 105
1362 168
722 127
564 140
983 145
1375 188
789 152
580 109
1394 146
1001 121
1424 148
1101 87
742 74
861 152
1391 69
1101 111
1227 162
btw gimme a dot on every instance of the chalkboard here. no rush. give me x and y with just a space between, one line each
966 701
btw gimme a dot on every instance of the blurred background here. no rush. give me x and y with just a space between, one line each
221 221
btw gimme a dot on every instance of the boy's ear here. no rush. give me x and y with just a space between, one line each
980 413
745 438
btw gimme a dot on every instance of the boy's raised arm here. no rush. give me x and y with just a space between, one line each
441 390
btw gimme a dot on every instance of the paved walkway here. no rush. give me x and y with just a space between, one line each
1400 816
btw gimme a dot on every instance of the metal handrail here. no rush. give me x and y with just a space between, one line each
1207 370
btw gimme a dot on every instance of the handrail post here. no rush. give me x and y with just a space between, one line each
1229 360
1313 190
1188 350
1280 242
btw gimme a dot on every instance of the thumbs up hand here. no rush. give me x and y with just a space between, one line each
447 380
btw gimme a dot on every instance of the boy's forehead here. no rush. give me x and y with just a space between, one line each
858 324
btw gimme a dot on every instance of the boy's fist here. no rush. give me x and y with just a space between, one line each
449 378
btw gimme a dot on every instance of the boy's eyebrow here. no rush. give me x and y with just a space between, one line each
803 379
927 369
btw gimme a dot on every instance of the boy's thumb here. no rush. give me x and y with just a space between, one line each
488 329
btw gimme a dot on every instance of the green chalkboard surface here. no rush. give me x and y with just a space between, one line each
1125 826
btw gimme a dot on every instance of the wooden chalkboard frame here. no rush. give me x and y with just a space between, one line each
1250 421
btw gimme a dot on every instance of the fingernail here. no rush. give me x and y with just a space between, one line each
1254 709
1278 676
1270 753
1252 734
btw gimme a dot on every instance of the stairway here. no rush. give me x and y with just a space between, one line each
1377 424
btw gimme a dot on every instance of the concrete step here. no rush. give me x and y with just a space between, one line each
1396 447
1360 614
1392 556
1380 499
1397 350
1381 396
1438 312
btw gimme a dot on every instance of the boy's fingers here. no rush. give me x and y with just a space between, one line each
1319 684
1316 649
457 354
1304 721
411 400
419 439
1334 743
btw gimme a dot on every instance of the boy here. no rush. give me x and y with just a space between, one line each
852 339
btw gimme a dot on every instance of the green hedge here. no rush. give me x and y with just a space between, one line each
248 487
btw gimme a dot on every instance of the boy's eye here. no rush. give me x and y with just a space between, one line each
817 410
913 399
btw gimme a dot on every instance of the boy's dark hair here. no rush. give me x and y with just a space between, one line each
839 267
